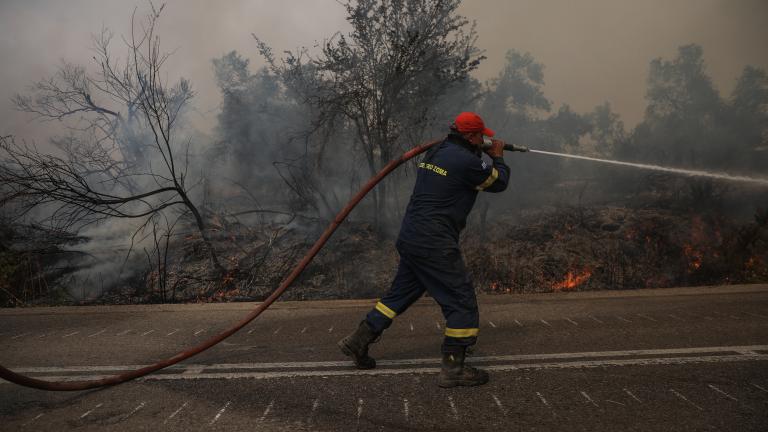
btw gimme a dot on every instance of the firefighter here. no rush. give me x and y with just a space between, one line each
447 182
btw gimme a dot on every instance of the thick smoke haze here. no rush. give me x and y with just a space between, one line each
593 50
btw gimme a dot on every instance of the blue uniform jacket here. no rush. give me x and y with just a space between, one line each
447 182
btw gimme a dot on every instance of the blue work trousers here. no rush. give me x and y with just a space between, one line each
444 276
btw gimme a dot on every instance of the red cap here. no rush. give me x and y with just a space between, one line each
471 122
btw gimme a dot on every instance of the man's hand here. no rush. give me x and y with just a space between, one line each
496 149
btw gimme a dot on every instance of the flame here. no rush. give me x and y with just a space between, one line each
572 280
695 257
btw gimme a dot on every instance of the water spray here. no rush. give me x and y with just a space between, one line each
688 172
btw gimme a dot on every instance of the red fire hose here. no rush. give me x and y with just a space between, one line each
26 381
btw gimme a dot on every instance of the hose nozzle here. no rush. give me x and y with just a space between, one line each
508 147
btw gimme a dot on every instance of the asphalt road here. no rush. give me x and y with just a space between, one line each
653 360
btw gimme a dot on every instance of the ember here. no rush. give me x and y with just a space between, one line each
572 280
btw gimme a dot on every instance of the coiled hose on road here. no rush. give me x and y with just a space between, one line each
26 381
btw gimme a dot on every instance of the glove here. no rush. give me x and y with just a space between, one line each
496 149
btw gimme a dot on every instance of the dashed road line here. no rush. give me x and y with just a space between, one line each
546 323
571 321
199 331
406 410
596 320
173 414
315 405
623 319
680 396
647 317
589 399
173 332
135 410
759 387
438 325
304 330
71 334
491 324
97 333
717 389
33 420
359 410
454 411
148 332
518 323
267 410
277 331
614 402
87 413
218 414
330 330
498 404
673 316
123 333
632 395
411 325
21 335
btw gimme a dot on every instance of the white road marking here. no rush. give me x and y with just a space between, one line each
315 404
199 331
147 332
45 334
545 323
717 389
647 317
87 413
453 408
492 324
675 317
304 330
173 414
498 404
589 399
359 409
173 332
411 324
21 335
33 420
267 410
135 410
596 320
518 323
544 401
623 319
71 334
632 395
313 369
330 330
277 331
571 321
438 325
405 409
759 387
218 414
676 393
97 333
123 333
429 361
614 402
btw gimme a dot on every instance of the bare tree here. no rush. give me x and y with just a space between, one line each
384 78
128 162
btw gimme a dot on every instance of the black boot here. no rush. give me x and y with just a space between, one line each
356 346
454 373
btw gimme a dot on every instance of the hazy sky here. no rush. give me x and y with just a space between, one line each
593 50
